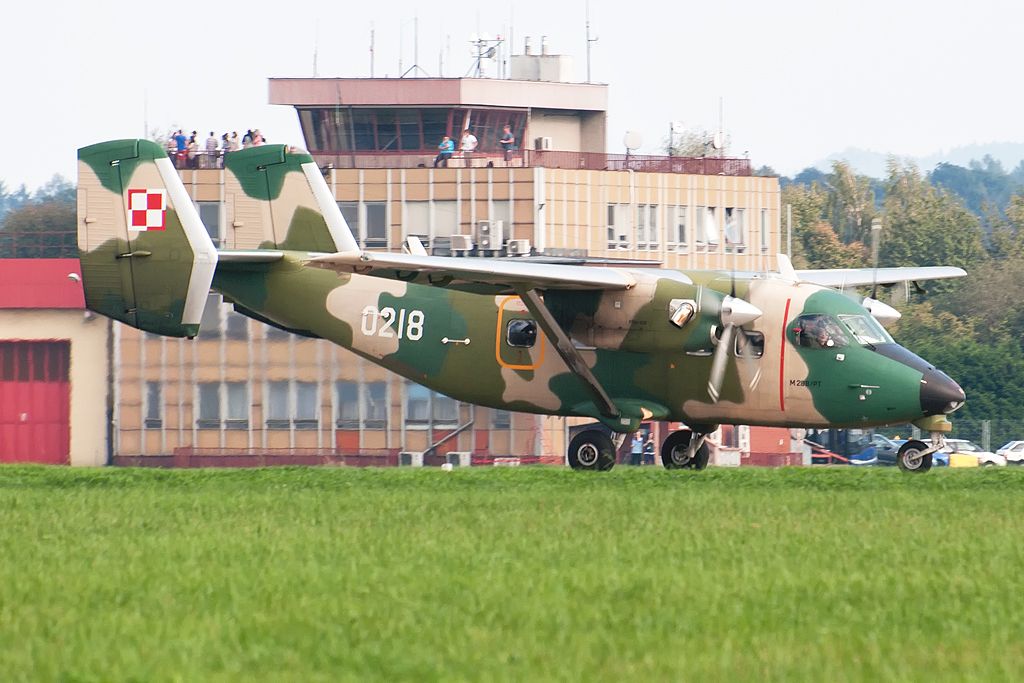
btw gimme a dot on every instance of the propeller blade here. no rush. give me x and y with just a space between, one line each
717 374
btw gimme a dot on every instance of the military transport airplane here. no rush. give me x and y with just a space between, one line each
619 345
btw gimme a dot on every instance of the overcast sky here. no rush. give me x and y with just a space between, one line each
800 78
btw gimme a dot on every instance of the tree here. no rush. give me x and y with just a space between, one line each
925 225
851 203
40 229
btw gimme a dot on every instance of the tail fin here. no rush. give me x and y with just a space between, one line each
276 198
146 258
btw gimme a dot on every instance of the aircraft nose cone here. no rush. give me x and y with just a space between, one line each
940 395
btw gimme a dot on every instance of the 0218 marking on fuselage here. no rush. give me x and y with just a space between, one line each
381 322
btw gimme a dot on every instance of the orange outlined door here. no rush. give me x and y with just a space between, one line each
519 342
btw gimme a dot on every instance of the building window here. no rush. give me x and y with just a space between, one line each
501 210
764 229
368 222
375 405
647 226
417 404
209 213
735 228
427 408
350 212
678 227
446 218
619 226
237 395
501 419
416 220
347 395
209 405
307 405
376 234
293 403
278 414
710 228
443 410
154 405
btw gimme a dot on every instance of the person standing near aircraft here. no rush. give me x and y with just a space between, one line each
444 152
649 450
636 449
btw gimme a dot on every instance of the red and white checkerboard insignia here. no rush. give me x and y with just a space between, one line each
146 209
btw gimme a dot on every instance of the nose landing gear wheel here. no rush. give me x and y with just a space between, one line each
591 450
909 457
676 455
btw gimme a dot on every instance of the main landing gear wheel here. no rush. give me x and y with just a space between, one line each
675 452
909 457
591 450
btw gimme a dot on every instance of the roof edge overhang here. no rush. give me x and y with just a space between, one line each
437 92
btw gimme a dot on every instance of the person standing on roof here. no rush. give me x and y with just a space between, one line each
507 141
210 159
444 152
468 146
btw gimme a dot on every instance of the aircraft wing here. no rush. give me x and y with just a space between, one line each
853 277
475 274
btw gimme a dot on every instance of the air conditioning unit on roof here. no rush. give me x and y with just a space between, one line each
490 235
459 458
542 143
518 247
462 243
410 459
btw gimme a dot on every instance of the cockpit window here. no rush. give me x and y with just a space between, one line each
819 332
866 330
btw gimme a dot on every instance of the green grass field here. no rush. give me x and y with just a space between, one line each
519 573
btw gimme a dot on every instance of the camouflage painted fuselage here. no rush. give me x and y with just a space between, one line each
457 343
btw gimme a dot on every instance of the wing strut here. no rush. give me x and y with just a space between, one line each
565 348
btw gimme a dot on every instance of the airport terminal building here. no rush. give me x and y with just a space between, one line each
247 393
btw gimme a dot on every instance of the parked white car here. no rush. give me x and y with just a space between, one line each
985 458
1013 452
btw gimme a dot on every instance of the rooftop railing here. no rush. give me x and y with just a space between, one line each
529 158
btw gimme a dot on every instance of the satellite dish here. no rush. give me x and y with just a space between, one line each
632 140
717 140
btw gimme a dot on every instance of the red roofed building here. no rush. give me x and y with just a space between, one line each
54 366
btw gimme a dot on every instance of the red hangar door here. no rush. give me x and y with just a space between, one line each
35 402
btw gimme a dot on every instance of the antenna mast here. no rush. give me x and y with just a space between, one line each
371 49
589 39
316 45
415 50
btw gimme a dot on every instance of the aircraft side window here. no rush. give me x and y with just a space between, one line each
749 344
819 332
522 333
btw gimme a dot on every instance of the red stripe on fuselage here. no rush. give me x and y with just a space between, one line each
782 359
